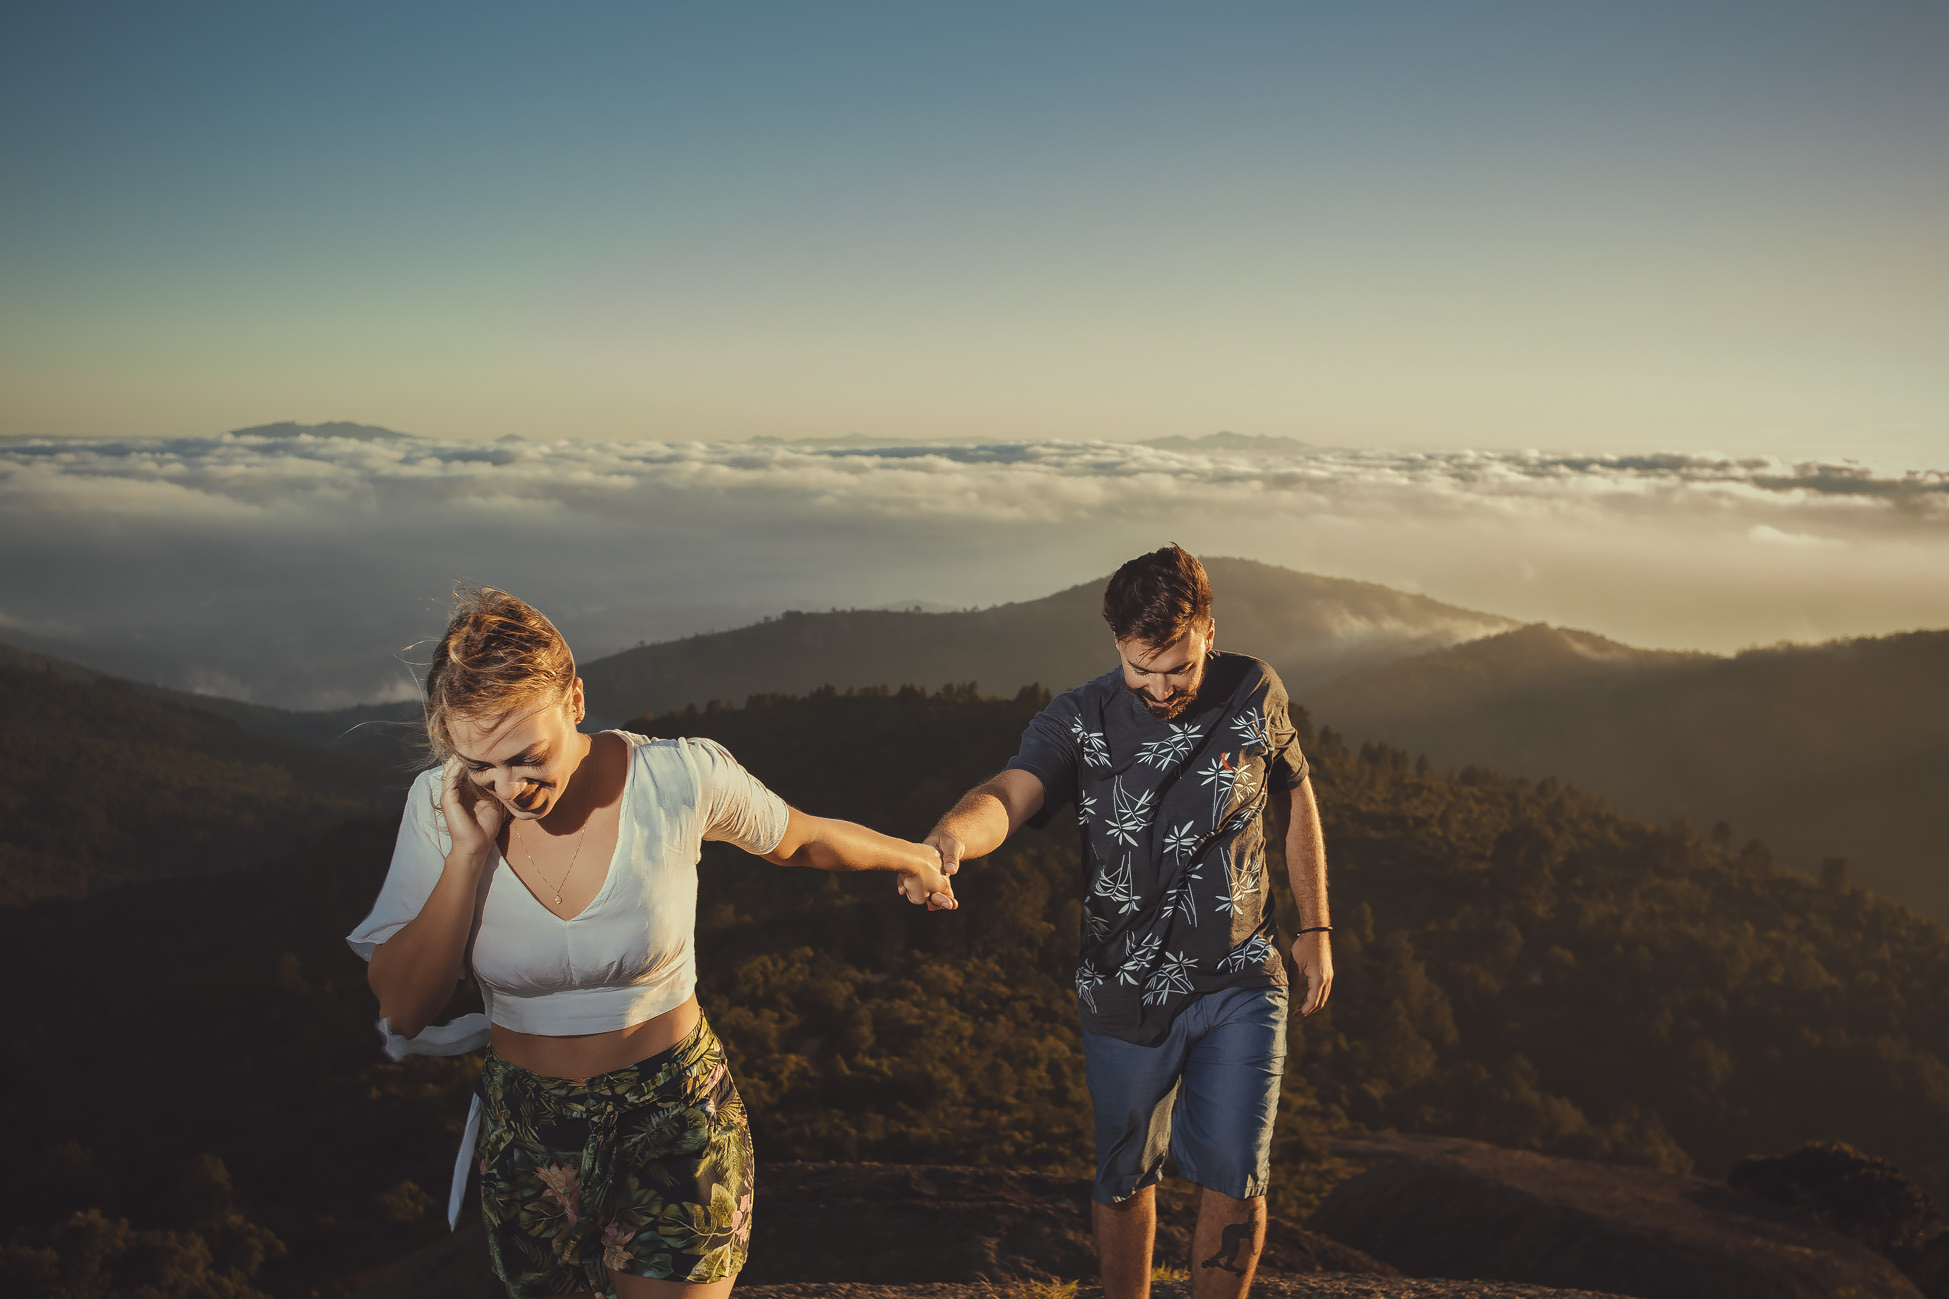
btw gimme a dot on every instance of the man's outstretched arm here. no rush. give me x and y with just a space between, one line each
985 816
1306 868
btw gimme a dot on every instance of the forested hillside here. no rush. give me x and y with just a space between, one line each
1837 750
374 736
100 784
1515 963
1518 963
1311 628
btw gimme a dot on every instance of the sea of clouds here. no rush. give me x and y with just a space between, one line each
299 568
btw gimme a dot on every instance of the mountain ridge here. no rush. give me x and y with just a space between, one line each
1310 628
1835 750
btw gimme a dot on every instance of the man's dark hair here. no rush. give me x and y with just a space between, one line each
1158 597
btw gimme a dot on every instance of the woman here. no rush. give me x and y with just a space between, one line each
614 1152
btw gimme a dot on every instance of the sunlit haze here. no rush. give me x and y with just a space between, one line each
293 567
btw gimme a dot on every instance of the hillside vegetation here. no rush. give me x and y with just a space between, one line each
1310 628
1516 964
101 784
1836 750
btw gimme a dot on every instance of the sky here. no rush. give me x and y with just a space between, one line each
1592 227
1629 317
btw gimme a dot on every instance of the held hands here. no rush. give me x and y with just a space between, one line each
925 883
1313 954
949 847
473 816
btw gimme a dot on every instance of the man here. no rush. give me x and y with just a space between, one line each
1171 761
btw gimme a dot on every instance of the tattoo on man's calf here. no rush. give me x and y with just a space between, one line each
1237 1238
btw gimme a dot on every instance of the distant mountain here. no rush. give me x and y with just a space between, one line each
862 440
380 737
387 732
103 783
330 429
1310 628
1820 750
1250 444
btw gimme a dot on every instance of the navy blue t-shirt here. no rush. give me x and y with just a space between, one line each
1179 902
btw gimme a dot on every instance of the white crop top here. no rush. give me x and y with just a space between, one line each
628 955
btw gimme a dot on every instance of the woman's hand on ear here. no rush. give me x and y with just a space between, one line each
473 815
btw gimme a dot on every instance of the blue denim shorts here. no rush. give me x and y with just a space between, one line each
1207 1093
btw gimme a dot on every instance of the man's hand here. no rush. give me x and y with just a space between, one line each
984 818
926 881
1313 954
949 847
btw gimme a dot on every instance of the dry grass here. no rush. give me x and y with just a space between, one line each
1033 1290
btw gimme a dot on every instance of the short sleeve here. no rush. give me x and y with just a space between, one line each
1285 765
736 806
1048 752
419 857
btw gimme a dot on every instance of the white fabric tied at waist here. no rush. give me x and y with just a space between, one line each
467 1034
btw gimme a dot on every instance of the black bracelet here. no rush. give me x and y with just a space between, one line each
1318 929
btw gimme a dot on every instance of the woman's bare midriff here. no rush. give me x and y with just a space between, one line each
588 1054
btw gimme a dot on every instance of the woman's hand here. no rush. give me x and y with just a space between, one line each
473 815
924 884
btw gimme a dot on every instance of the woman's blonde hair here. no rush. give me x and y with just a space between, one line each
499 656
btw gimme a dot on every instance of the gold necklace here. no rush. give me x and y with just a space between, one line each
556 888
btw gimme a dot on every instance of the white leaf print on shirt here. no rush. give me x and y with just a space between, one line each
1182 900
1252 952
1095 751
1218 775
1088 980
1162 753
1142 955
1130 814
1250 726
1172 977
1241 884
1228 900
1117 885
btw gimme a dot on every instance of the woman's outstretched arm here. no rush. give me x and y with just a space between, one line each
830 845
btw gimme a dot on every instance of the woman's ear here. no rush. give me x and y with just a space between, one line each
577 706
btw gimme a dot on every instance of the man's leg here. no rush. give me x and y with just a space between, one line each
1131 1092
1221 1131
1225 1249
1125 1232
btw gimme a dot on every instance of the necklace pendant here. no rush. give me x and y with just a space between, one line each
558 899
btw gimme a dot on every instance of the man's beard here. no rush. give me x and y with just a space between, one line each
1177 703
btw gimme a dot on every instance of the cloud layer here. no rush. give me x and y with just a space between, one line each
295 567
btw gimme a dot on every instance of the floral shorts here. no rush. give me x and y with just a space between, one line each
645 1171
